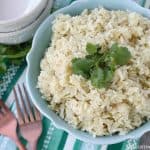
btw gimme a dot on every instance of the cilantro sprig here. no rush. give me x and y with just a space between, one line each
99 67
12 54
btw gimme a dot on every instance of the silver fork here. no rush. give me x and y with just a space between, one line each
29 118
8 125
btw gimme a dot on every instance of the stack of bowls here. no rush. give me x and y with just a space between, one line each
20 19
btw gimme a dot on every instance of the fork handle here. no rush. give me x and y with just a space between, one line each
33 145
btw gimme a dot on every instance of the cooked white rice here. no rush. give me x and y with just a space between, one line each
122 107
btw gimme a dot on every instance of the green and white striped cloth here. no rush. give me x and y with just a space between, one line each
52 138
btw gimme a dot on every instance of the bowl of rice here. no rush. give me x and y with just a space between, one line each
74 101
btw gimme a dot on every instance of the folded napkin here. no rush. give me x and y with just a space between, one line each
51 138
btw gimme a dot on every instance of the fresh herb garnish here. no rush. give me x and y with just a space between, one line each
3 67
91 48
82 66
12 54
121 55
100 67
97 77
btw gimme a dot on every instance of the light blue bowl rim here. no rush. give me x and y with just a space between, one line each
59 123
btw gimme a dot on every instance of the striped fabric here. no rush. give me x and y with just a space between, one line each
52 138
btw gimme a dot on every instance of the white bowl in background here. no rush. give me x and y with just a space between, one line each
26 33
32 4
17 14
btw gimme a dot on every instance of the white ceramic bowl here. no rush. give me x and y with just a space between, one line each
26 33
33 4
23 19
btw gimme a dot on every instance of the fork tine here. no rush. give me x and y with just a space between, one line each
26 119
20 116
28 103
3 110
37 114
4 107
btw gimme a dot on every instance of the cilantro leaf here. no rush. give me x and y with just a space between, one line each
108 75
17 61
97 78
95 58
2 49
12 54
82 66
121 55
91 48
114 47
100 67
101 78
3 67
19 54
